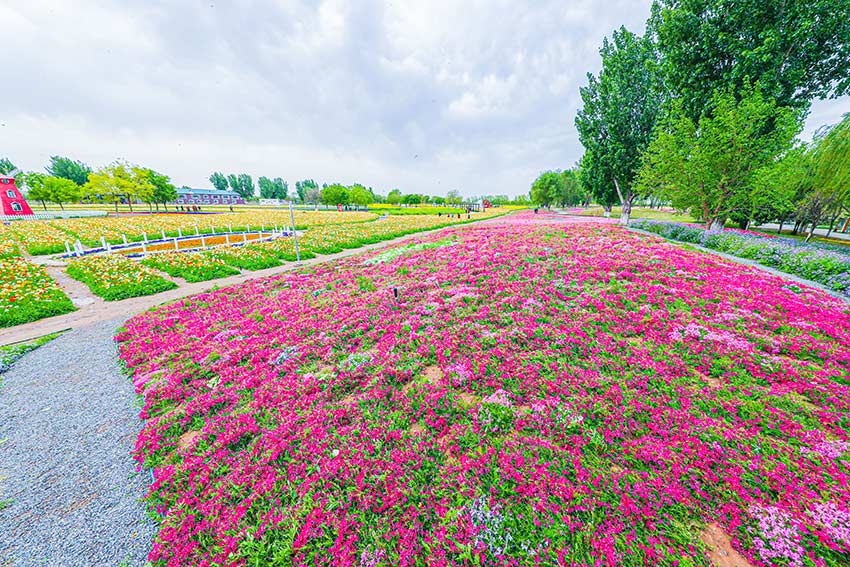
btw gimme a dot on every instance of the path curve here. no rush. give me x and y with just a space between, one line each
68 423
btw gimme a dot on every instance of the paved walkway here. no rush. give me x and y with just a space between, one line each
68 484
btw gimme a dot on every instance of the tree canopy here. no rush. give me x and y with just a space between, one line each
275 188
242 184
219 181
707 167
796 50
359 195
620 110
335 194
66 168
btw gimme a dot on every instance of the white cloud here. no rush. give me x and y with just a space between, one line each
425 96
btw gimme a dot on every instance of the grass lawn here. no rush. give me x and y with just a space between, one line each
663 214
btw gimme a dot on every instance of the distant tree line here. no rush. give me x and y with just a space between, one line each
71 181
704 111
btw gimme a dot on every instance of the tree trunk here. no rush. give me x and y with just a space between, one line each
781 222
115 201
832 224
812 230
61 206
43 204
846 225
626 203
716 225
130 203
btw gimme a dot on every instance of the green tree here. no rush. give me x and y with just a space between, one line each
335 194
707 167
267 188
776 190
60 190
797 50
359 195
66 168
34 182
112 183
219 181
307 190
616 123
454 197
546 188
830 177
6 166
394 197
281 188
411 199
163 191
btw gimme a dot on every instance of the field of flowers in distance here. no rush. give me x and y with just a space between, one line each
512 394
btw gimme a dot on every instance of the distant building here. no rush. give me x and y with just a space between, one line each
14 203
189 196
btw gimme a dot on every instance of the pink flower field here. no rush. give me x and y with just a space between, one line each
511 394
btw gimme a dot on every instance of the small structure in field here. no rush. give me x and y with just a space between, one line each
13 201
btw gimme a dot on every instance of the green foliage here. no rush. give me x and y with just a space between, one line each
120 181
335 194
796 50
775 190
308 191
66 168
621 108
241 184
558 187
6 166
275 188
219 181
826 175
163 190
709 166
411 199
45 188
359 195
394 197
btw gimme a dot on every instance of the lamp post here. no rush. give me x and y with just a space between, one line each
294 234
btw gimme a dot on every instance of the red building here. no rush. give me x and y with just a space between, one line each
14 203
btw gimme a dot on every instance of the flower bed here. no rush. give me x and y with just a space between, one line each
114 277
28 293
245 257
48 237
521 395
827 265
191 266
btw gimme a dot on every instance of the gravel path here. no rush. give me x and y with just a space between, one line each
69 489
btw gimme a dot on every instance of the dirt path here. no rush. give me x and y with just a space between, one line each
92 309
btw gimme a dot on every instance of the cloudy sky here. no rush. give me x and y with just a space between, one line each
426 96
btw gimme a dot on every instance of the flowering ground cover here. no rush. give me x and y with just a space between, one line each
114 277
191 266
245 257
824 263
28 293
515 394
48 237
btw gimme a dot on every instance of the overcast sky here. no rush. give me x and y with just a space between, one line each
423 95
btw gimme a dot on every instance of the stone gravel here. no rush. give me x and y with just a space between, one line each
69 489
